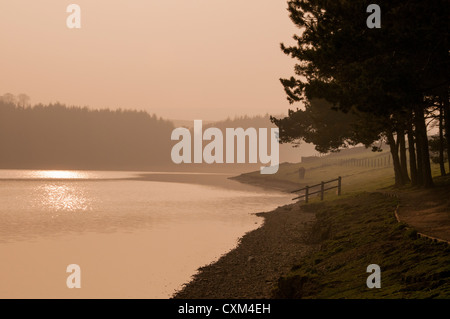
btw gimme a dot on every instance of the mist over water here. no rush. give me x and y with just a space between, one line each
134 235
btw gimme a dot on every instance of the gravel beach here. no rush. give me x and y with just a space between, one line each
251 270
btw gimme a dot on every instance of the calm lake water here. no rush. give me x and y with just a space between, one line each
134 235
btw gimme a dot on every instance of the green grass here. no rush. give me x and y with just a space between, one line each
355 232
354 178
330 167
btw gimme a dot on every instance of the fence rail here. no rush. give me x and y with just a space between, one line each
321 191
383 160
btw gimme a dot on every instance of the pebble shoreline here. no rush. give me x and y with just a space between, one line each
252 269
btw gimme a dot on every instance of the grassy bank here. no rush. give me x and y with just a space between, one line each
357 231
360 169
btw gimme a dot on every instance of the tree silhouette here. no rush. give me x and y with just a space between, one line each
386 73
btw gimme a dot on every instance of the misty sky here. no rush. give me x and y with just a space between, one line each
180 59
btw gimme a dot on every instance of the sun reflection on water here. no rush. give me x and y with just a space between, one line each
59 174
61 198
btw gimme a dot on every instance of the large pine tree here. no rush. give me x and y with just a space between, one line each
385 73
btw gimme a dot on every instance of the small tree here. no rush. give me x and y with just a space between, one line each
23 100
9 98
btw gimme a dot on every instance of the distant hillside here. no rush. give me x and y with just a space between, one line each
59 137
187 123
288 153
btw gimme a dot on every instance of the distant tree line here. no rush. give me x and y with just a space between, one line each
361 85
56 136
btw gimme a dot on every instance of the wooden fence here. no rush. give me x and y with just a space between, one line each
384 160
321 191
377 161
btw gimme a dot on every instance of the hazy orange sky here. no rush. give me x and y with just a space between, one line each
180 59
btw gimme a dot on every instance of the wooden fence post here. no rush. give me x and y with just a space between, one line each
321 191
339 185
306 194
322 188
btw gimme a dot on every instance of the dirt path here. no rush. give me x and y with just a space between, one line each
253 268
427 211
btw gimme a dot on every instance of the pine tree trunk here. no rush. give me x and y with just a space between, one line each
395 159
422 147
403 163
412 155
441 141
418 154
419 162
447 124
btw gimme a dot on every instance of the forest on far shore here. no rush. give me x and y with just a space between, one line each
56 136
